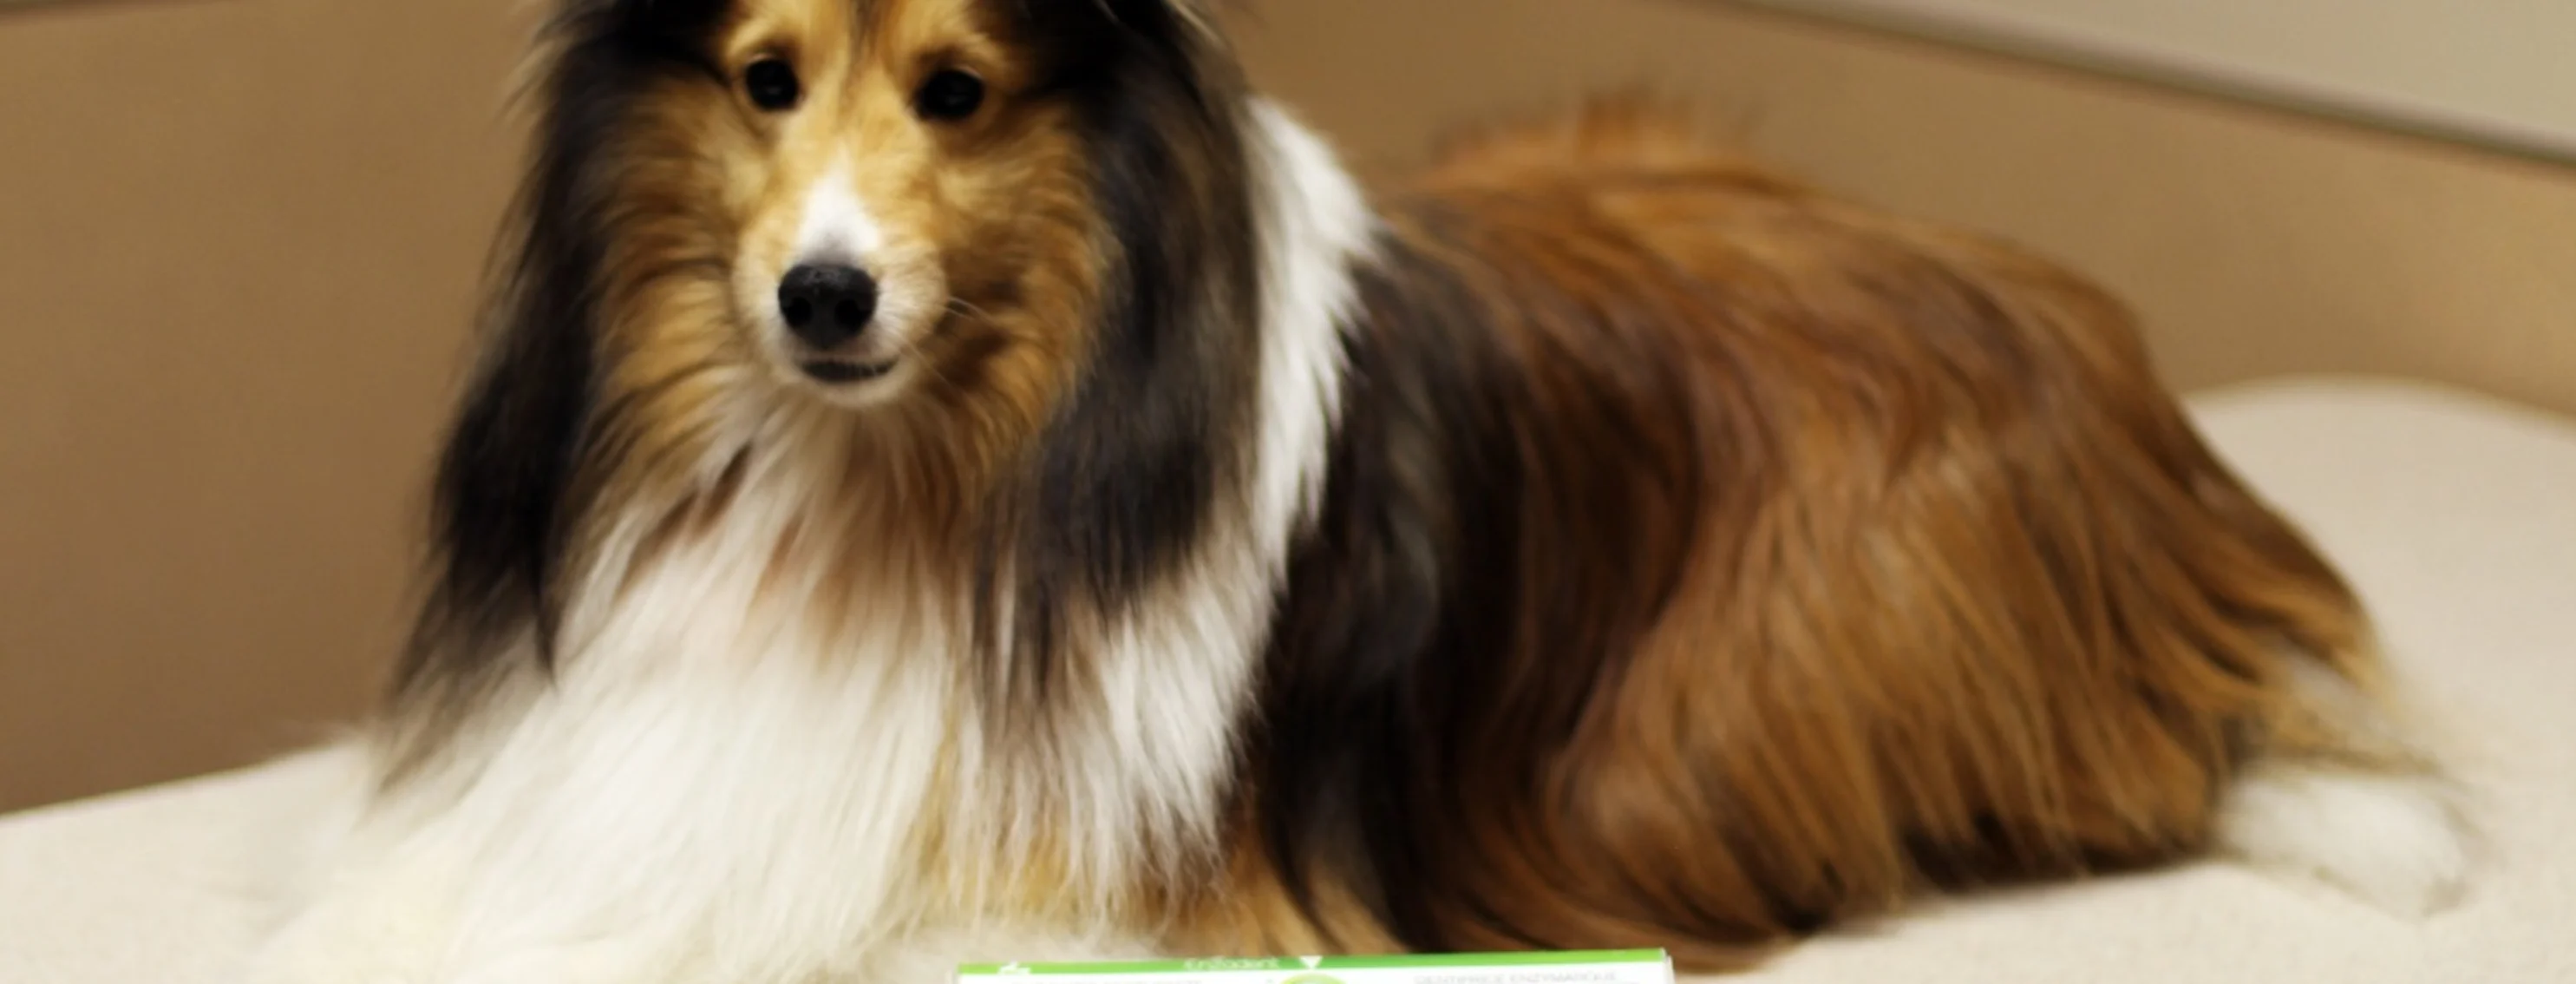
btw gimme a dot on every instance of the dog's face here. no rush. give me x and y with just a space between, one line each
964 260
898 194
900 190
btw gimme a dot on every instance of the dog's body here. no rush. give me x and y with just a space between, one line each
1170 549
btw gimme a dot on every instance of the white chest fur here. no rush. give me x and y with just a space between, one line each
714 779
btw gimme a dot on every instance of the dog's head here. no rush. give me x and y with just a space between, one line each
860 196
993 245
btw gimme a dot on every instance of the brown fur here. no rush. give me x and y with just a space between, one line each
1907 573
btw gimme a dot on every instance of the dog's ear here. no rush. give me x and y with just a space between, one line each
508 495
1201 18
658 19
1193 11
1205 16
644 9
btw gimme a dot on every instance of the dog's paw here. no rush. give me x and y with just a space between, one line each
2397 842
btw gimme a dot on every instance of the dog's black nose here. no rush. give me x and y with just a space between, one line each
827 305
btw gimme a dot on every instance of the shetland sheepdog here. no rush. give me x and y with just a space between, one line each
970 479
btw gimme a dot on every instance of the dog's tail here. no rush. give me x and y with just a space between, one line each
2341 795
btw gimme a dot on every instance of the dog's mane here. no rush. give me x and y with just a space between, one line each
1123 479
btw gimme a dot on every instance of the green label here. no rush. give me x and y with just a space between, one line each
1323 970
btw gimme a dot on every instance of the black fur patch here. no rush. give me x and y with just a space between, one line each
1407 571
1159 426
1407 697
506 496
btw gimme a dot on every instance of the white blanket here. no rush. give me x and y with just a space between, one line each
2456 517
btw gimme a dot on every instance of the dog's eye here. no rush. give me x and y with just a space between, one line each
771 83
949 94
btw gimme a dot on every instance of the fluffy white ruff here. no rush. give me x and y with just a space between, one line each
723 786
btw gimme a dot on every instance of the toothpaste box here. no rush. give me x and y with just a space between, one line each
1563 967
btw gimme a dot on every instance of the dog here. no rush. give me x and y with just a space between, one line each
974 480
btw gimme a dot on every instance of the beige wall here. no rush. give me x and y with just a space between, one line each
2495 70
238 241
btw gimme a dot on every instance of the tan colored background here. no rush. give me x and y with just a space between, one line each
2493 70
238 241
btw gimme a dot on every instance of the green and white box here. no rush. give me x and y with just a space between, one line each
1565 967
